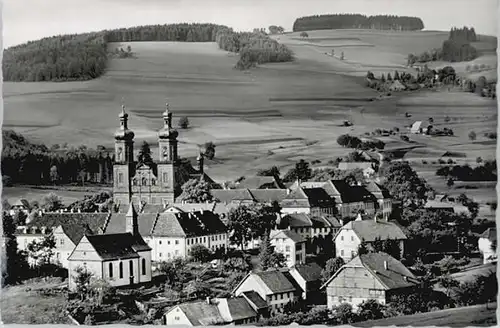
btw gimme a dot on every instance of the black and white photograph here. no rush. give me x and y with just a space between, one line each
255 163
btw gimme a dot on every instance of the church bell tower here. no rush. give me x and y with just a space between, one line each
124 161
167 158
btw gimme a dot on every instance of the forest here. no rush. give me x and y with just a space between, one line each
357 21
254 48
80 57
456 49
24 162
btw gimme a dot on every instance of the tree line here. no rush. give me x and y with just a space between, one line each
358 21
29 163
253 47
485 172
457 48
80 57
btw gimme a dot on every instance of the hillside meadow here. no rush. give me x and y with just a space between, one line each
274 114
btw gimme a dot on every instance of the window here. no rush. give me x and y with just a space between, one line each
120 177
61 241
131 267
134 182
153 182
165 177
176 252
204 239
177 242
144 182
352 238
110 270
120 268
281 296
287 248
143 267
160 254
342 238
177 318
159 242
341 252
168 242
350 298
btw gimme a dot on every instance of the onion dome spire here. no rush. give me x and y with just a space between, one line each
167 132
123 132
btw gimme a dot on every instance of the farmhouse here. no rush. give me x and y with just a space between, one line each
272 287
311 228
376 276
315 201
351 235
308 277
420 127
436 205
291 245
235 310
383 197
173 233
20 205
487 244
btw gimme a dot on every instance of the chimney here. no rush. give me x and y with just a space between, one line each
288 191
79 211
208 300
386 265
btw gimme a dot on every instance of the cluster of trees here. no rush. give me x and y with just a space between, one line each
347 140
120 53
60 58
30 163
273 29
358 21
485 172
481 86
456 49
253 47
388 246
80 57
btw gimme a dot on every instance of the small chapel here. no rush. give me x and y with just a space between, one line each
155 183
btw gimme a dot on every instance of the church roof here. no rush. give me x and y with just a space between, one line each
190 224
120 245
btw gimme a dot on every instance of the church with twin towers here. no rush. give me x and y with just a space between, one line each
157 182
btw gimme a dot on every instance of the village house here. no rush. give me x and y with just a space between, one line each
216 311
313 201
420 127
384 198
351 235
308 277
173 232
487 244
290 244
66 228
309 226
272 287
446 206
376 276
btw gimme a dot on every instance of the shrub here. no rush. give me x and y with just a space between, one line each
184 122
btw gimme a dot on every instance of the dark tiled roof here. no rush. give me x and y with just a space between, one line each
310 272
260 182
287 234
352 194
238 308
295 220
201 313
378 190
318 197
74 225
120 245
255 299
369 230
276 281
188 224
394 276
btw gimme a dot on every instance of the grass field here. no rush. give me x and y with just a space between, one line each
21 306
477 316
272 115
